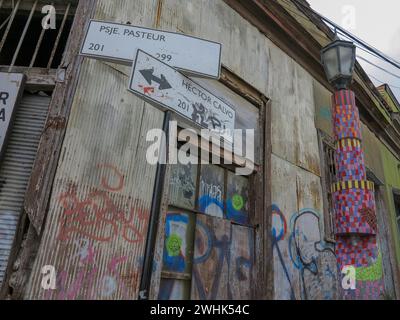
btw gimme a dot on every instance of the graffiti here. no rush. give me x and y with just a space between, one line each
183 185
216 253
211 198
206 117
208 205
119 175
174 257
310 255
87 283
97 217
279 229
237 204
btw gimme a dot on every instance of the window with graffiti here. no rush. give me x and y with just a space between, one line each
208 242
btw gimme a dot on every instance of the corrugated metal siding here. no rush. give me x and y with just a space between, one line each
15 169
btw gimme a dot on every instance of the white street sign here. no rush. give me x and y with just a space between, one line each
118 43
11 85
160 84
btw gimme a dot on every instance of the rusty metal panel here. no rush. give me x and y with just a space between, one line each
98 215
304 264
16 167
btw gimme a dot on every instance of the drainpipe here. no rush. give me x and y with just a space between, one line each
154 216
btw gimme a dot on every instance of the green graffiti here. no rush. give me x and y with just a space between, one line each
372 272
237 202
173 244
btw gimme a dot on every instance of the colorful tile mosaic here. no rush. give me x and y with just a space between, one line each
349 204
354 202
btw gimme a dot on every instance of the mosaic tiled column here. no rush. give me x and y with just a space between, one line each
354 202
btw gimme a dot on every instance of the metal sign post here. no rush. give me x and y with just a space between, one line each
118 42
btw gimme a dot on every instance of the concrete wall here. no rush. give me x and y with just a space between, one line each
102 153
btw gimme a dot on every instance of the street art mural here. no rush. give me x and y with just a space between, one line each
307 261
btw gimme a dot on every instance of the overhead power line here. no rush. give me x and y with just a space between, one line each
367 46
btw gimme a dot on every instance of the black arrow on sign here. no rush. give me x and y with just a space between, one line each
149 76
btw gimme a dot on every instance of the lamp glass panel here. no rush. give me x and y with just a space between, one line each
346 60
331 63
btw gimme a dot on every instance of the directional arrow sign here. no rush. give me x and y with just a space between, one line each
118 42
162 85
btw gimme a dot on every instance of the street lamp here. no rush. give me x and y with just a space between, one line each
338 59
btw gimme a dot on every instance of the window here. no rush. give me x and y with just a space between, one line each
23 41
327 155
201 198
396 197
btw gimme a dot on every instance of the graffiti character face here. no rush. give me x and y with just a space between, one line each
307 238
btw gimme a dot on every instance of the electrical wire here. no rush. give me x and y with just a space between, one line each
354 38
373 64
384 82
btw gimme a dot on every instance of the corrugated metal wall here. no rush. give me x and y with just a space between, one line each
16 166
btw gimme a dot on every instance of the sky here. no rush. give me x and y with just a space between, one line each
375 22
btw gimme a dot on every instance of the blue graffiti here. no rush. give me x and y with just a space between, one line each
238 216
206 201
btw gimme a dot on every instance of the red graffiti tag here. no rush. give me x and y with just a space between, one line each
98 217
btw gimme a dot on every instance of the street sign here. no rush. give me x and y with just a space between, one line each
162 85
10 93
118 43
